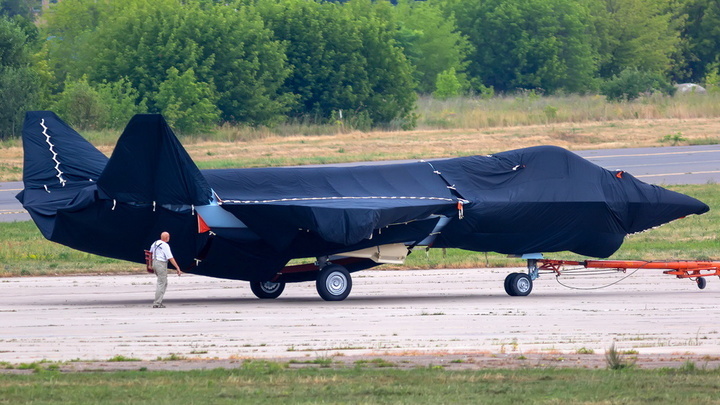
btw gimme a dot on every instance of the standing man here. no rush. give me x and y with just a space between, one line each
161 254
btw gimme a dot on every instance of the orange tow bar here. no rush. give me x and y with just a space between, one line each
681 269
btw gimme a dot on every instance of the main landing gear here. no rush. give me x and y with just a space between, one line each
267 289
333 283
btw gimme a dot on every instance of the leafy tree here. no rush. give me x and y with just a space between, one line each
70 32
245 63
635 34
18 81
391 89
343 57
528 44
22 13
22 8
632 83
13 45
225 45
187 104
431 42
700 35
17 86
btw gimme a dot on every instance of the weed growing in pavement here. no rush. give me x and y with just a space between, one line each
617 360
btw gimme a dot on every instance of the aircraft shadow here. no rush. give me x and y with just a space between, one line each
359 299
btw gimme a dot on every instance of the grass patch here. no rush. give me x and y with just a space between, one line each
25 252
380 363
320 361
119 358
172 357
266 383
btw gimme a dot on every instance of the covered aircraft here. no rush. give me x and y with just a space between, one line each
247 224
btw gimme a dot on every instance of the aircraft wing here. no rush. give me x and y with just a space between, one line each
342 205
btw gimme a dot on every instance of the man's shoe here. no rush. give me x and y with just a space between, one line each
158 306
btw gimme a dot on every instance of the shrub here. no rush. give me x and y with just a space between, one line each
81 105
447 85
187 104
632 83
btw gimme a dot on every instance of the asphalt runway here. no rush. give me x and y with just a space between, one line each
389 313
663 166
10 209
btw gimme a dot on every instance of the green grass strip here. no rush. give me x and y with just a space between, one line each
257 382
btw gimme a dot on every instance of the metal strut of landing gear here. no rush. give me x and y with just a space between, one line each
332 280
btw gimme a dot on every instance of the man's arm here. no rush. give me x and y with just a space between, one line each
177 268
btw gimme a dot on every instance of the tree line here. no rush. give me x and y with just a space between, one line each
263 62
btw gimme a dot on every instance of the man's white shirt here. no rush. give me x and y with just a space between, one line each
161 251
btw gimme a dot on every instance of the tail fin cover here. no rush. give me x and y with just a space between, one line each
56 155
150 165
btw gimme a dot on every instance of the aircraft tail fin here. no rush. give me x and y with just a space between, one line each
55 155
150 165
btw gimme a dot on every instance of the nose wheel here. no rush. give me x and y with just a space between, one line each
518 284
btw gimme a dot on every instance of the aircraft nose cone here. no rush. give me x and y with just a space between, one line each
650 205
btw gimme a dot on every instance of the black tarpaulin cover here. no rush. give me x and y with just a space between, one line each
547 199
149 164
112 207
58 164
541 199
343 205
55 154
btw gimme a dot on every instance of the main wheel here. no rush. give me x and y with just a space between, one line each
267 289
334 283
518 284
701 283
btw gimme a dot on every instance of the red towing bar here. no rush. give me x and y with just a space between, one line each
681 269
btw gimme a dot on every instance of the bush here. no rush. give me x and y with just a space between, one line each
187 104
105 106
632 83
120 100
81 105
447 85
18 90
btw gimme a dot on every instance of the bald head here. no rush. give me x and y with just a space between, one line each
165 237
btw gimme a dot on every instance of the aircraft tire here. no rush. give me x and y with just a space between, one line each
267 289
518 284
701 283
334 283
508 280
